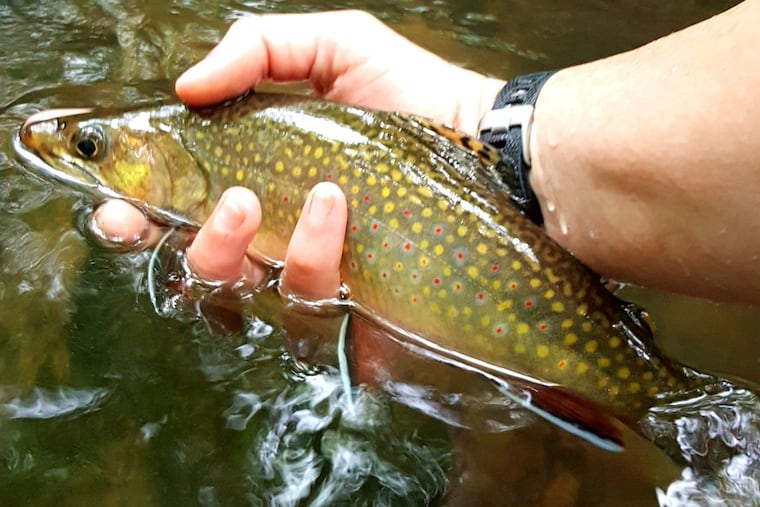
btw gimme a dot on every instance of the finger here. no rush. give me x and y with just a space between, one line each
119 223
312 263
280 47
219 250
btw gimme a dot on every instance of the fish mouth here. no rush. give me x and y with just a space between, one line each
28 150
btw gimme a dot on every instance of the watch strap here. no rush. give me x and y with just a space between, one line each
507 127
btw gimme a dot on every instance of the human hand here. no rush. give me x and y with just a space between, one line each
346 56
219 251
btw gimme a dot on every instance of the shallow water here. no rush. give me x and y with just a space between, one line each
104 402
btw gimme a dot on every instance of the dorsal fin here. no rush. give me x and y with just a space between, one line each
487 153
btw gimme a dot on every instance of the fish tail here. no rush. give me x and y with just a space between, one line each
713 430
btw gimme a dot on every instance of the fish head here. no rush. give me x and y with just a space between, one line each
130 155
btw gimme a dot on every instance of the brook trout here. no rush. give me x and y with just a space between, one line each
433 246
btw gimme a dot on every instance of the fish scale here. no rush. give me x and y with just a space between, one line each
433 245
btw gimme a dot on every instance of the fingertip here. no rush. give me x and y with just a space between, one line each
312 263
120 223
219 250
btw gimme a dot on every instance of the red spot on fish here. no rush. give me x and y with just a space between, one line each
353 265
407 246
414 299
437 230
494 267
374 226
481 296
543 326
407 212
366 198
328 176
513 285
457 286
384 275
499 330
354 228
460 255
529 304
561 364
414 276
385 244
285 198
370 256
436 281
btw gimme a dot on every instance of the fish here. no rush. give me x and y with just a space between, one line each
434 250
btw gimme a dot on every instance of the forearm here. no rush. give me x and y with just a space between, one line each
647 164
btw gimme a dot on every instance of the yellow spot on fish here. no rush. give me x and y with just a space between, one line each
355 189
416 227
318 152
542 351
371 180
623 373
312 171
238 147
472 272
482 249
385 192
522 328
652 391
485 320
570 339
399 266
466 311
558 307
296 172
604 362
461 231
496 284
586 326
279 166
443 205
438 249
534 283
591 346
516 265
550 294
393 223
567 324
401 192
634 387
581 368
307 150
615 343
225 171
425 192
613 391
343 179
396 175
388 207
648 376
359 248
519 348
452 312
423 261
504 305
218 151
239 175
427 212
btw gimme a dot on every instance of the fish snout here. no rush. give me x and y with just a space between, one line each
45 124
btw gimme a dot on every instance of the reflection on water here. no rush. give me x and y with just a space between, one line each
104 402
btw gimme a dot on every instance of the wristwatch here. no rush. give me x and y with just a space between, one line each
507 127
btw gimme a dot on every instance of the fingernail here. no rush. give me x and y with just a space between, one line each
228 215
321 203
194 73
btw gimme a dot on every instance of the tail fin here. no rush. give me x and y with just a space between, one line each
715 432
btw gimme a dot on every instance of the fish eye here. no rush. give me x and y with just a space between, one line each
89 142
